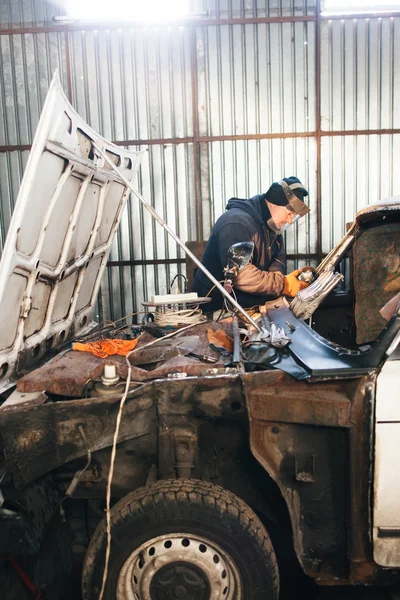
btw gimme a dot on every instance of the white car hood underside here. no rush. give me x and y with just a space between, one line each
67 211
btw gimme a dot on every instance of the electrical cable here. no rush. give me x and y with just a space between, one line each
213 288
176 277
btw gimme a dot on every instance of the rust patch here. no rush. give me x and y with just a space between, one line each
69 374
280 398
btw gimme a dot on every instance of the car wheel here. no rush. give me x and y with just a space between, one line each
182 539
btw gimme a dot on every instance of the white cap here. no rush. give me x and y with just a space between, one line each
109 376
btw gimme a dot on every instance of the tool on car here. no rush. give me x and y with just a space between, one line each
308 274
239 255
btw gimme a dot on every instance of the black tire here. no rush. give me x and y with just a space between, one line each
195 508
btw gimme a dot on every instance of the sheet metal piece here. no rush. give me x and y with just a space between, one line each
164 350
306 301
263 356
324 358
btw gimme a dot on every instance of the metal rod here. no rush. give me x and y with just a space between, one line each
179 261
236 341
228 138
318 125
163 224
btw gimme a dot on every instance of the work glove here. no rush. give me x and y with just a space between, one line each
293 284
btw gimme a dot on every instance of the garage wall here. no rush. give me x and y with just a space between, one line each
223 104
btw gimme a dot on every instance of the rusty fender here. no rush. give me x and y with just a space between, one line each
314 440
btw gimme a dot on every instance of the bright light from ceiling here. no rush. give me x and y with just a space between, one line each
359 6
130 10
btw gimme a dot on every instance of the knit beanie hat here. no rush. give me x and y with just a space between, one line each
276 195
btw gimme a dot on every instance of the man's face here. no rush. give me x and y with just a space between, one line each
281 215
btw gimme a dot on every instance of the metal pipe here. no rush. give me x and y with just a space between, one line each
163 224
179 261
229 138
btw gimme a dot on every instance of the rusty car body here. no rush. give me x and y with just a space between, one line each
301 452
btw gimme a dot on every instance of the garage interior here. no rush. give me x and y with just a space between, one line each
223 104
221 101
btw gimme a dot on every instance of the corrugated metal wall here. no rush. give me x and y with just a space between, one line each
225 104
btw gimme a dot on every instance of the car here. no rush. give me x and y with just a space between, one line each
282 452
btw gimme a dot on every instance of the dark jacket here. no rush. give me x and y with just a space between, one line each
244 220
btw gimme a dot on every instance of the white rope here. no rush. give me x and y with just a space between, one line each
184 316
111 473
113 455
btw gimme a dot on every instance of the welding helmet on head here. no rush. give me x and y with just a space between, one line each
288 192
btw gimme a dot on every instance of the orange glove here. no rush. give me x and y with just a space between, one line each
219 340
292 284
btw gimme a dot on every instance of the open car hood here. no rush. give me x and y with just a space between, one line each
67 211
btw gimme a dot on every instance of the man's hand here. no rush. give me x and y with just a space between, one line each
293 284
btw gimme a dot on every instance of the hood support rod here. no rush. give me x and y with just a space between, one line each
163 224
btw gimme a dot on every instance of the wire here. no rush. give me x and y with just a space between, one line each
140 312
176 276
213 288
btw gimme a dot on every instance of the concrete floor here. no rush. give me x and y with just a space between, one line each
352 593
311 592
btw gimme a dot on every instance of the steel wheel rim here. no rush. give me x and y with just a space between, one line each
196 553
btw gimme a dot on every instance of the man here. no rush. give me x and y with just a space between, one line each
260 219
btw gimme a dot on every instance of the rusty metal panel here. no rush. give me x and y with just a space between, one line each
244 168
288 406
27 64
360 62
132 84
256 79
356 171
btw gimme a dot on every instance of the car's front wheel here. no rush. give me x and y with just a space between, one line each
182 539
